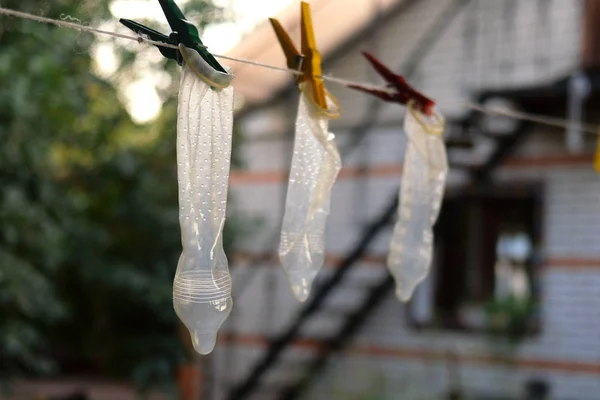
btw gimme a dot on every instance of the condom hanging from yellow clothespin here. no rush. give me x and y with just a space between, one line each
597 156
315 164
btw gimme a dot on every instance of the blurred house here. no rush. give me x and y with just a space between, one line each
513 299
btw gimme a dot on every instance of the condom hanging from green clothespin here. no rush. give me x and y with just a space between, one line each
202 284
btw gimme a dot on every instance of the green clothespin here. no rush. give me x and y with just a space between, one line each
191 50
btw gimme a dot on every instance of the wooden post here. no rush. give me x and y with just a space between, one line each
590 48
189 380
189 375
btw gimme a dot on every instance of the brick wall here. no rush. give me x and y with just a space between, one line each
488 44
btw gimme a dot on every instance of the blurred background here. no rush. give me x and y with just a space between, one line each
89 234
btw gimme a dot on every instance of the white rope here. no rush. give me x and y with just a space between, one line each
80 27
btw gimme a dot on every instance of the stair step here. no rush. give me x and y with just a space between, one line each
321 326
268 392
265 388
287 372
463 166
358 278
336 312
459 143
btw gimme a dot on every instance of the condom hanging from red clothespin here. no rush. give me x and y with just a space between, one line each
315 163
423 182
421 194
202 285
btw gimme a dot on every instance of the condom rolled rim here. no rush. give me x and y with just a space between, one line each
333 111
201 286
203 70
433 125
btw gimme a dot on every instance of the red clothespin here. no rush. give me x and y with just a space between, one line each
404 93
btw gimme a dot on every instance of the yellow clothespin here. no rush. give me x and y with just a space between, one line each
597 157
308 61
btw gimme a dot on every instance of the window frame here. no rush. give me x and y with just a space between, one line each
531 190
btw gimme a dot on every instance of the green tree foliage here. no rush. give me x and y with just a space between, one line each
89 236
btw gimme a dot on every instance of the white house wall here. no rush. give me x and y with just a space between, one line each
411 364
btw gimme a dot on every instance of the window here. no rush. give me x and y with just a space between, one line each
483 276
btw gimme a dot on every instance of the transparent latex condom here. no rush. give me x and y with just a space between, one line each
315 166
421 193
202 285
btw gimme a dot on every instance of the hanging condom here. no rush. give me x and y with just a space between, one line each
315 166
421 193
202 285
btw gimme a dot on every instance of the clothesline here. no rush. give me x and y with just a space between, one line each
495 111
